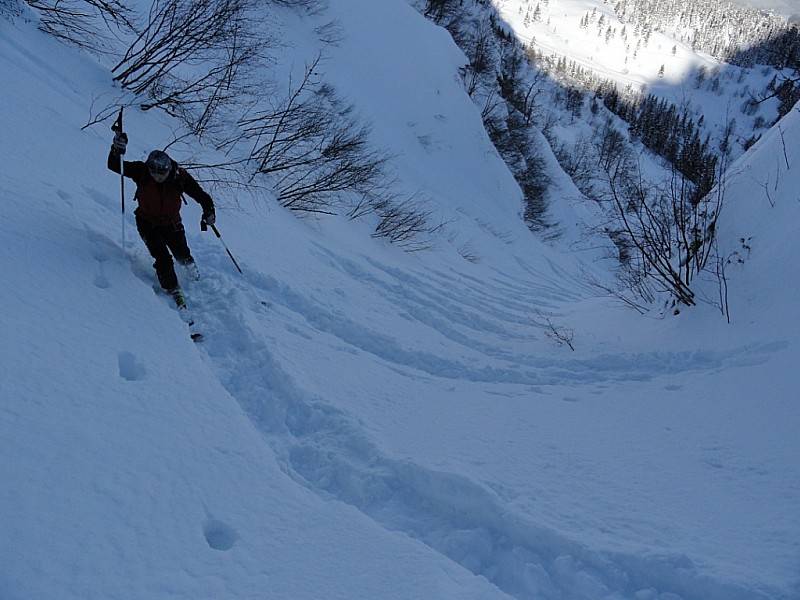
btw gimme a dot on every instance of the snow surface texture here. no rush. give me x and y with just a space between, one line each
361 423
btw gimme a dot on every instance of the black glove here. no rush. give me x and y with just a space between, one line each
120 143
209 217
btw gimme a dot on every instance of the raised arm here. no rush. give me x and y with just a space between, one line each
133 168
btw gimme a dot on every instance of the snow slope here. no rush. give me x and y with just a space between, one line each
366 423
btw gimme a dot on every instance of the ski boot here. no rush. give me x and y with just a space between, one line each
177 295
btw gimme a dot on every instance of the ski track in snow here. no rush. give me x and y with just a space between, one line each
326 450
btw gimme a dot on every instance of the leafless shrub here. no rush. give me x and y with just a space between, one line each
330 33
193 57
561 336
11 9
312 6
579 160
441 11
407 223
478 46
670 233
83 23
312 148
467 252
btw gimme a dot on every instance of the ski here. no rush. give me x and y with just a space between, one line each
183 309
187 318
194 334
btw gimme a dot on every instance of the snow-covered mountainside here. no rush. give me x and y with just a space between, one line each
477 420
696 56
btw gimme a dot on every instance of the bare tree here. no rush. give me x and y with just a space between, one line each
440 11
83 23
612 148
11 9
561 336
312 6
407 223
193 57
313 148
671 233
478 47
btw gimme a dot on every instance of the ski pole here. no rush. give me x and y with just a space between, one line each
117 127
204 227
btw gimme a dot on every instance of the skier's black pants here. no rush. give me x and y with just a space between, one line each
160 241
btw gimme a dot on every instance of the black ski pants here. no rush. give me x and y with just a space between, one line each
160 241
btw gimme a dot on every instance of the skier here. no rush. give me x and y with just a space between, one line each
160 183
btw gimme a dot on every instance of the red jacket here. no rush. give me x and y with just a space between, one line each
160 203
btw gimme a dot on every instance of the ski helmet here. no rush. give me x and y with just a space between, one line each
159 164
